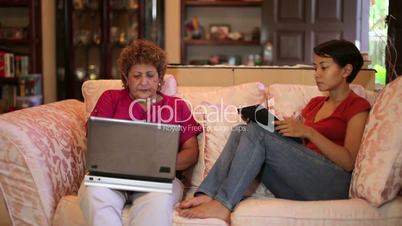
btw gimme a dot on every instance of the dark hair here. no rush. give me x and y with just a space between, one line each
342 52
141 52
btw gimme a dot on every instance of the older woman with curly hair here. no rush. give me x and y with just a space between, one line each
142 67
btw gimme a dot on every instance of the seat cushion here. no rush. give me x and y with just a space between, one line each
378 172
351 212
68 213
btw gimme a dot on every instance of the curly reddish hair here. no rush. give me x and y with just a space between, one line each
141 52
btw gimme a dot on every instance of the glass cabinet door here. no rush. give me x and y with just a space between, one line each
90 35
79 45
124 17
87 41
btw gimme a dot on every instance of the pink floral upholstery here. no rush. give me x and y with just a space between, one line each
41 159
378 173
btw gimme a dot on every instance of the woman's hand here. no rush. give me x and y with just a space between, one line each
291 127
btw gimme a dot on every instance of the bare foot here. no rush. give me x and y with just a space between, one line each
193 202
211 209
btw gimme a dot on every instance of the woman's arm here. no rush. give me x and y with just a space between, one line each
188 154
343 156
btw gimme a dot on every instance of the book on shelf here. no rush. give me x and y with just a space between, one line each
21 65
8 98
7 64
13 65
2 66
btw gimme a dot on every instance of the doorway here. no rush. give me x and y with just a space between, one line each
378 38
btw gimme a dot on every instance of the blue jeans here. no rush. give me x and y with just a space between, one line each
288 169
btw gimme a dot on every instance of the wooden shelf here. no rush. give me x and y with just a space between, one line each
14 3
220 42
87 46
223 3
9 81
85 11
128 11
14 41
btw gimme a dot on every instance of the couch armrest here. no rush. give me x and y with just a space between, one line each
42 153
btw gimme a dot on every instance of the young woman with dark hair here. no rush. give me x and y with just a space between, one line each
319 168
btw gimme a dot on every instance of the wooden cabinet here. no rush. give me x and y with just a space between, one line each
24 15
90 35
220 30
294 27
21 36
289 28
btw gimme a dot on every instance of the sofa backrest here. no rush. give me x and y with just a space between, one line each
215 109
93 89
287 100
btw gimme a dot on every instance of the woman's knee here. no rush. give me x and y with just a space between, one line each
237 131
156 200
100 196
151 209
254 130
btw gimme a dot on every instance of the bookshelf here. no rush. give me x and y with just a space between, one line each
20 54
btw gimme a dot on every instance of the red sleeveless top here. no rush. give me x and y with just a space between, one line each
334 126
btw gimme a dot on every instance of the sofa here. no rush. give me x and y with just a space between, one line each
42 158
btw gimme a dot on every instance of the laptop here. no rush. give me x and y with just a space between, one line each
131 155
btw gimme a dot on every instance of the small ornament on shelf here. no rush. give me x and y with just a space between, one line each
235 36
193 29
255 34
219 31
268 53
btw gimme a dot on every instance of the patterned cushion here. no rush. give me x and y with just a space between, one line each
219 122
207 104
92 89
41 159
68 213
378 172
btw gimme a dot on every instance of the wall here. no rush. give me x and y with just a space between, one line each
49 50
229 76
172 30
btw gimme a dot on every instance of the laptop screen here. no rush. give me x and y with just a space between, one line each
132 149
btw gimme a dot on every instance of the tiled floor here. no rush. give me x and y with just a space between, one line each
4 218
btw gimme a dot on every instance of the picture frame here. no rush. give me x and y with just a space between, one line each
219 31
